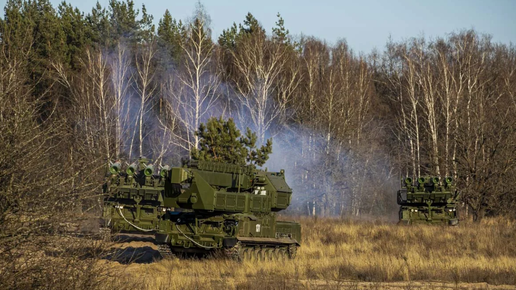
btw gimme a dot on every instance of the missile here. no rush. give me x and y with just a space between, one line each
115 168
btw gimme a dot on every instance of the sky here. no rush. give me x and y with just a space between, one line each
364 24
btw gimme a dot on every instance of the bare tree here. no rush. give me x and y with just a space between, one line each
486 132
453 99
41 178
259 63
93 102
121 78
145 59
336 99
193 87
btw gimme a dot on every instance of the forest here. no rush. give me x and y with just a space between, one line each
80 89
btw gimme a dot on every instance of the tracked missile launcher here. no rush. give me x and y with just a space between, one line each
219 207
428 200
133 197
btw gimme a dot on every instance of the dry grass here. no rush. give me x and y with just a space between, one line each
337 254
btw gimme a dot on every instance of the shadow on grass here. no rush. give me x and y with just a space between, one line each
129 255
143 254
108 250
132 254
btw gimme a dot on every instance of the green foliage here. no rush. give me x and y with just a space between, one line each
280 33
251 26
16 29
221 141
123 19
364 90
33 27
228 37
98 21
170 35
120 21
77 33
49 37
146 29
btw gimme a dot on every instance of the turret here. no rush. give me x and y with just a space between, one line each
223 187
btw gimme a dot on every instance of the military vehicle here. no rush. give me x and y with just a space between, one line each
428 200
133 198
217 207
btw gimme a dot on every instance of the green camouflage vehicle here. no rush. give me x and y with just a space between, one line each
133 199
428 200
219 207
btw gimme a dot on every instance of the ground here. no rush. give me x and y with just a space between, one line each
338 254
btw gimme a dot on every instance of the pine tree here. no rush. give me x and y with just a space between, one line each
16 30
170 35
281 35
76 31
228 37
251 26
146 28
123 19
221 141
99 24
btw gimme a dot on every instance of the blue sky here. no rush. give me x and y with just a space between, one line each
364 24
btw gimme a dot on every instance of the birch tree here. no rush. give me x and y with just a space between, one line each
121 79
193 88
145 59
92 99
258 63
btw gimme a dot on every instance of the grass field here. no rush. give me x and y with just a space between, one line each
340 254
